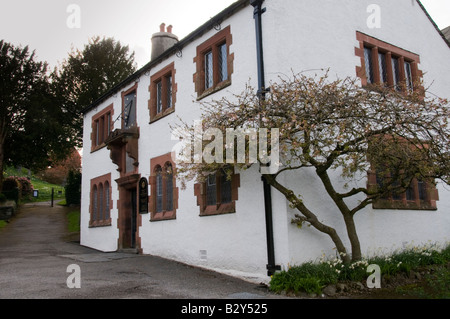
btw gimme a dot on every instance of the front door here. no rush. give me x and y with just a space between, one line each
129 220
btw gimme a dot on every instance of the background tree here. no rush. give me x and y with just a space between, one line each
32 126
337 127
86 75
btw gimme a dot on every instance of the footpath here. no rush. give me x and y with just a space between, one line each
39 260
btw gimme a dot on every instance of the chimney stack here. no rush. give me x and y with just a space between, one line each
163 40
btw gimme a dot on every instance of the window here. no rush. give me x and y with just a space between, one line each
218 194
420 195
129 112
387 65
162 93
214 64
101 128
401 189
101 203
163 201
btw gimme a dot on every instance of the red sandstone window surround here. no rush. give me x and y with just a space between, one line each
101 202
218 194
214 64
387 65
163 93
129 107
102 125
163 200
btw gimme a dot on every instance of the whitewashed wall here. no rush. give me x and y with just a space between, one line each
298 36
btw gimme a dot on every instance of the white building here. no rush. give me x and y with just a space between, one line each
127 138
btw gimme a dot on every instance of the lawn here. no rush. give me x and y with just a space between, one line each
44 189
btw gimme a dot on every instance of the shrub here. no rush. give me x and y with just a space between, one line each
2 198
73 188
11 188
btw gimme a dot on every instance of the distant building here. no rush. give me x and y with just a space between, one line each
221 224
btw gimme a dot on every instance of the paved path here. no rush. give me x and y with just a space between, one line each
35 251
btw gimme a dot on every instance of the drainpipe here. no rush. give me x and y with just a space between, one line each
257 15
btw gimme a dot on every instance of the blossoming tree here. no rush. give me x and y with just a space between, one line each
336 126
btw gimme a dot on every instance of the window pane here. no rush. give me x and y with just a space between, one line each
422 190
369 65
225 189
211 196
94 204
410 193
169 188
209 82
396 73
408 76
100 202
97 133
169 91
383 68
130 110
223 65
159 97
159 190
107 196
108 124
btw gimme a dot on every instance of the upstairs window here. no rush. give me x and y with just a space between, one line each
387 65
129 113
101 127
162 93
214 64
129 107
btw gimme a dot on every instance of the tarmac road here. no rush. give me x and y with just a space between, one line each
35 252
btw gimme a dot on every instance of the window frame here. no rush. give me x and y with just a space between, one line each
100 187
126 93
102 125
167 104
401 201
390 52
214 47
219 208
162 162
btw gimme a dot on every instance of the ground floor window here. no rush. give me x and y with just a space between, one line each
218 194
163 201
100 202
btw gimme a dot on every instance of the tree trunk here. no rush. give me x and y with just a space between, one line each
310 217
2 156
353 236
346 213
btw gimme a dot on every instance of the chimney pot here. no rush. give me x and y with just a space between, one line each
163 40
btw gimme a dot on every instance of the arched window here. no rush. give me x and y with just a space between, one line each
100 210
164 192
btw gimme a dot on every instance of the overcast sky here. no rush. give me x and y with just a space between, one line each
51 27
